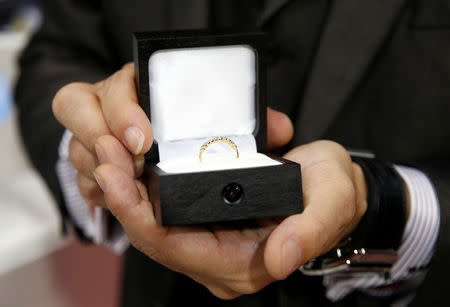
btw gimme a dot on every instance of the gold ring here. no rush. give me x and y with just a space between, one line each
217 140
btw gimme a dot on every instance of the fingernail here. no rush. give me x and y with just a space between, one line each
139 165
101 155
100 181
134 139
291 256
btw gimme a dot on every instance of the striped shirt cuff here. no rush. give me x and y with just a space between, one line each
99 227
418 242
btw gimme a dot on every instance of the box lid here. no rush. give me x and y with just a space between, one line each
195 84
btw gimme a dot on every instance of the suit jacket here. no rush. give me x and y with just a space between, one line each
368 74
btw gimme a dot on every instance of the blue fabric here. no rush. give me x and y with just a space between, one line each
5 98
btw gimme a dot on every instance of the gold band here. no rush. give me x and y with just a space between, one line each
217 140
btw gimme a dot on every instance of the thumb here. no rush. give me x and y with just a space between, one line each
296 240
279 129
328 212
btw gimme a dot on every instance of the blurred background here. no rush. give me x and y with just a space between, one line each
38 266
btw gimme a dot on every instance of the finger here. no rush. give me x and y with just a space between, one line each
77 108
142 190
124 116
81 158
279 129
329 212
90 191
139 163
124 200
191 250
220 291
110 151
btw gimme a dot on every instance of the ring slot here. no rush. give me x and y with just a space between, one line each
217 140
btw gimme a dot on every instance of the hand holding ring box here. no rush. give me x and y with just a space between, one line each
205 96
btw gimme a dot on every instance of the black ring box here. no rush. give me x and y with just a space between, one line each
191 198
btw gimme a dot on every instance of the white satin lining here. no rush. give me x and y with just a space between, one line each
202 92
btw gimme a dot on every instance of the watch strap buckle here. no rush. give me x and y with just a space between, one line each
341 261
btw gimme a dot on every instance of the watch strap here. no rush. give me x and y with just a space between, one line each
383 224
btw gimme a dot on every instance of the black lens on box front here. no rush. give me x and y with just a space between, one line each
232 194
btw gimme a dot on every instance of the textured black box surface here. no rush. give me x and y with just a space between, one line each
196 198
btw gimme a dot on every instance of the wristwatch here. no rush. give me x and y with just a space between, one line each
372 246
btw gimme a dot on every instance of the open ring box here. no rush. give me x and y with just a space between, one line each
195 86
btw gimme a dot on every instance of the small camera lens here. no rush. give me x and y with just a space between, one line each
232 193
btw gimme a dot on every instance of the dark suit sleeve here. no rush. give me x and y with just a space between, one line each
434 291
69 46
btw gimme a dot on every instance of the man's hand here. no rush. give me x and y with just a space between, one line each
231 262
111 129
334 197
91 111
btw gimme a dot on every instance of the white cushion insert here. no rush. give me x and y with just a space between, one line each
202 92
216 162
